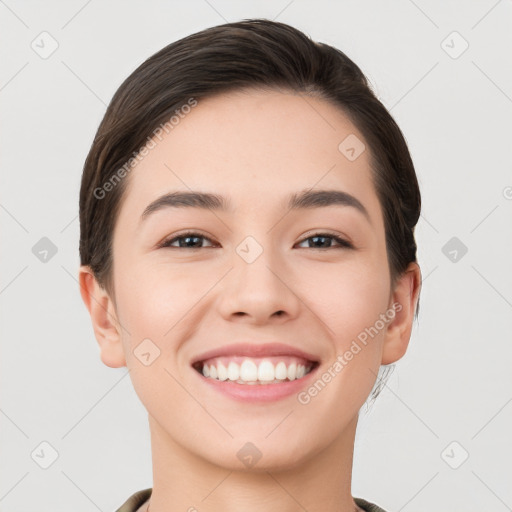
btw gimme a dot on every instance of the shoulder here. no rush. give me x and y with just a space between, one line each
367 506
135 501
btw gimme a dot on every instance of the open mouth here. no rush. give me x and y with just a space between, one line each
255 370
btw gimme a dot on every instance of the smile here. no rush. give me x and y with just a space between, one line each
251 370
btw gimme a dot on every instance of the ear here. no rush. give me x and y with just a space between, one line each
104 318
404 298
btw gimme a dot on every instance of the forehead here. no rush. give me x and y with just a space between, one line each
254 147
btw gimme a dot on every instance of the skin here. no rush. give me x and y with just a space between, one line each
254 147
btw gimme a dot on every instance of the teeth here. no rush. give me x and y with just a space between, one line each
233 371
248 371
251 373
222 373
266 371
281 372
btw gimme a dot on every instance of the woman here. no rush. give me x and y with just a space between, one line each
247 215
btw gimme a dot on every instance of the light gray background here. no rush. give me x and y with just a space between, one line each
454 384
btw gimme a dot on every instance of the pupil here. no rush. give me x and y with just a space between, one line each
187 239
315 238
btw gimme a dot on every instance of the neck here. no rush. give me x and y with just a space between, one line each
184 482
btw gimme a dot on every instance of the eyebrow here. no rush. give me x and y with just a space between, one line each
306 199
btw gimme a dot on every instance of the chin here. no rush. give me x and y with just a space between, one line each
260 456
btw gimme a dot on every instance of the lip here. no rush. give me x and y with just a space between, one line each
257 392
253 350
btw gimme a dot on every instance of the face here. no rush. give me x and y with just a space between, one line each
264 297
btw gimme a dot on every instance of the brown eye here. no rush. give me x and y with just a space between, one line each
324 241
194 240
190 240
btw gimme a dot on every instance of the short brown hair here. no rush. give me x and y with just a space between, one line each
247 54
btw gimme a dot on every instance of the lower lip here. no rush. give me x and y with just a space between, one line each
259 392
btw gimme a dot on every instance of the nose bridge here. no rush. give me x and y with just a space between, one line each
253 262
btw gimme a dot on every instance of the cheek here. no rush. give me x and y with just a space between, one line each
350 308
156 302
347 298
153 307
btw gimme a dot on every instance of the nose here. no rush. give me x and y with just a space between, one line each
259 292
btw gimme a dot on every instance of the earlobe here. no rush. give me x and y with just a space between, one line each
103 317
404 302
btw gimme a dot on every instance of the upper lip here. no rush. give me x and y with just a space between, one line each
255 350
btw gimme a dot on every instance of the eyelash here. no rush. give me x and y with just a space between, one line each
343 244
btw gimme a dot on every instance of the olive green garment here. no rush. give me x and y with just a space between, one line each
137 499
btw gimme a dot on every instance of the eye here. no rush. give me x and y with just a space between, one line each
188 240
193 240
319 241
